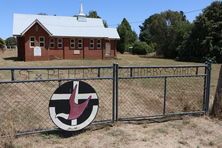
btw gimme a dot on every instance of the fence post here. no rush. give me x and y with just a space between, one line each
117 91
165 93
205 89
114 94
208 81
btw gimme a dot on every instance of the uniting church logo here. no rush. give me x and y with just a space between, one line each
73 105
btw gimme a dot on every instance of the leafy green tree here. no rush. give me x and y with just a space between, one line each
94 14
10 42
127 36
205 39
2 43
141 48
166 30
105 23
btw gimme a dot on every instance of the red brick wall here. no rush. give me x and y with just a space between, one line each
21 48
60 53
69 53
29 52
92 53
55 53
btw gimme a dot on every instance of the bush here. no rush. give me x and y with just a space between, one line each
141 48
2 43
120 48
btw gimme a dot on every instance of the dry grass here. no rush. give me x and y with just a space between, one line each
8 59
136 89
188 132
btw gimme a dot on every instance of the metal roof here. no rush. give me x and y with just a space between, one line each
64 26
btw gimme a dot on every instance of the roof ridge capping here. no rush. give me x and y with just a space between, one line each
33 23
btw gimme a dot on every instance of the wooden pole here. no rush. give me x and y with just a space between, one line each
217 104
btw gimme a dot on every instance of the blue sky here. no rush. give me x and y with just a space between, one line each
113 11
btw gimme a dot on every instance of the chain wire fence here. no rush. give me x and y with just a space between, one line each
124 93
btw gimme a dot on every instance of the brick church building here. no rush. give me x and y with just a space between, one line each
43 37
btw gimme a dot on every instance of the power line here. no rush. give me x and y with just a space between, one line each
141 21
193 11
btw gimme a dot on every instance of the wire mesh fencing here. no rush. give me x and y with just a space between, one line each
25 95
156 91
123 92
24 106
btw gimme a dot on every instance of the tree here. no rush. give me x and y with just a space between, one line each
205 39
94 14
105 24
127 36
165 30
2 43
10 42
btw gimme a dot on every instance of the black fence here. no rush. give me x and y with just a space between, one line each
125 93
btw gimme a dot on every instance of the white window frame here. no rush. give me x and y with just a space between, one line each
59 43
91 44
42 42
99 43
30 42
80 44
72 41
52 42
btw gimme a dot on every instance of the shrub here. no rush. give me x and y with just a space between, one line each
2 43
141 48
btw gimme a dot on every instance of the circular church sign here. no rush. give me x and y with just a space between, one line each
73 105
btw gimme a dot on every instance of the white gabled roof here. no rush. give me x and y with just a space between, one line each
64 26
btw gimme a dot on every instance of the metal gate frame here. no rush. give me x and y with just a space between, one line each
115 77
206 95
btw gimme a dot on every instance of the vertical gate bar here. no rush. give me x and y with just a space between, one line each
165 92
197 70
59 83
131 72
205 90
68 73
48 73
58 73
98 73
117 93
114 94
12 74
208 85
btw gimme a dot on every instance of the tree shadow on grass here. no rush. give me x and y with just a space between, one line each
65 134
12 59
61 134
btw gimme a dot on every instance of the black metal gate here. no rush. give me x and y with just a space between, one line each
125 93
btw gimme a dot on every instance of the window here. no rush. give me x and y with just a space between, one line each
99 44
91 44
32 41
52 43
59 43
72 43
80 44
42 41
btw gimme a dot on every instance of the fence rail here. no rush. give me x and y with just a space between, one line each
125 93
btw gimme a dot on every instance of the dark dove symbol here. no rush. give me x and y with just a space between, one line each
75 110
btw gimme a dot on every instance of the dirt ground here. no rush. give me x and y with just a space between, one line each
195 132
